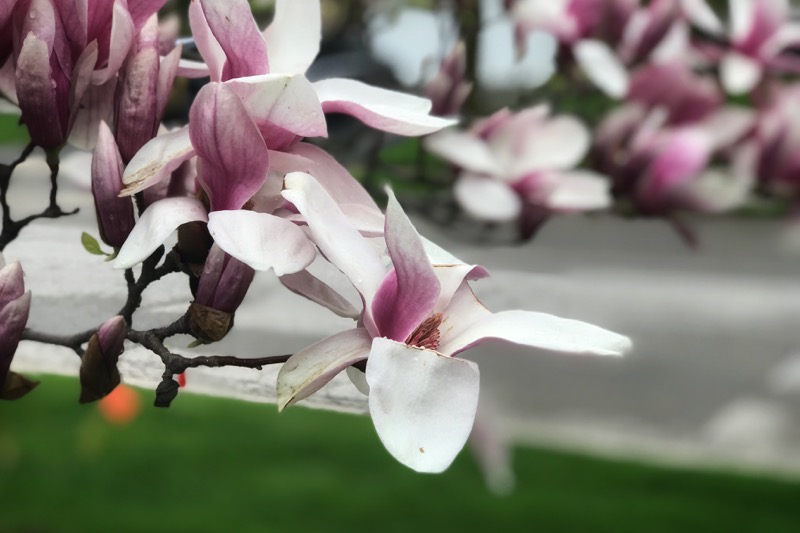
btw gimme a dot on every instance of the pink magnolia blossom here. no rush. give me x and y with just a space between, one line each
67 54
760 31
416 320
512 164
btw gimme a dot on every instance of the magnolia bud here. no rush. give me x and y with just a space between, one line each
99 374
114 214
223 285
448 90
15 306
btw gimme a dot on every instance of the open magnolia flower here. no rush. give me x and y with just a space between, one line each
517 166
418 316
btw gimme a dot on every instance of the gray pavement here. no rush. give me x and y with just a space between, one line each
714 377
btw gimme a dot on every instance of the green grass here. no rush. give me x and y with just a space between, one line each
220 465
12 131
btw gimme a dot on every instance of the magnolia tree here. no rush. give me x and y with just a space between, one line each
246 192
688 108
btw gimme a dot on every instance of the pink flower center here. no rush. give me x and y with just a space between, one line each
427 334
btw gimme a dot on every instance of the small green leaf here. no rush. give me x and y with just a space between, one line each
91 245
195 343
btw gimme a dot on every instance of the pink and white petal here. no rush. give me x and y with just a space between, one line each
97 106
739 74
233 159
682 157
539 330
702 16
294 36
603 68
207 44
286 101
675 46
462 150
305 284
422 403
358 379
141 10
122 35
155 226
408 294
167 71
580 190
369 221
390 111
742 15
728 125
787 36
461 312
335 236
487 199
556 144
193 69
311 368
451 278
262 241
339 183
718 190
156 160
234 28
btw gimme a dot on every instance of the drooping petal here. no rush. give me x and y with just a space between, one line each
294 35
154 227
261 241
539 330
307 285
580 190
336 238
157 159
422 403
602 67
311 368
408 293
286 101
487 199
234 28
463 150
391 111
233 159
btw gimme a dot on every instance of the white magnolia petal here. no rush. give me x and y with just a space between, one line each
369 221
335 236
262 241
156 225
311 368
701 15
674 46
391 111
580 190
294 35
463 150
557 144
156 160
487 199
309 286
739 74
741 15
728 125
540 330
602 66
358 379
286 101
422 403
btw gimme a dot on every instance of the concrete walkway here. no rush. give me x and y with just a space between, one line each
714 378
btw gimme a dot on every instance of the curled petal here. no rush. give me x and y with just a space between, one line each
156 225
311 368
422 403
294 36
539 330
409 293
156 161
391 111
262 241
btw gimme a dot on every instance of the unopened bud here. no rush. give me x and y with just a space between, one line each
99 374
114 214
15 305
448 90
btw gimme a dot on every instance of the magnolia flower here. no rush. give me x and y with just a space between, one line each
760 31
63 54
15 306
417 319
513 162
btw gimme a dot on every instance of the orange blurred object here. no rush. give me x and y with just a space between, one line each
122 406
